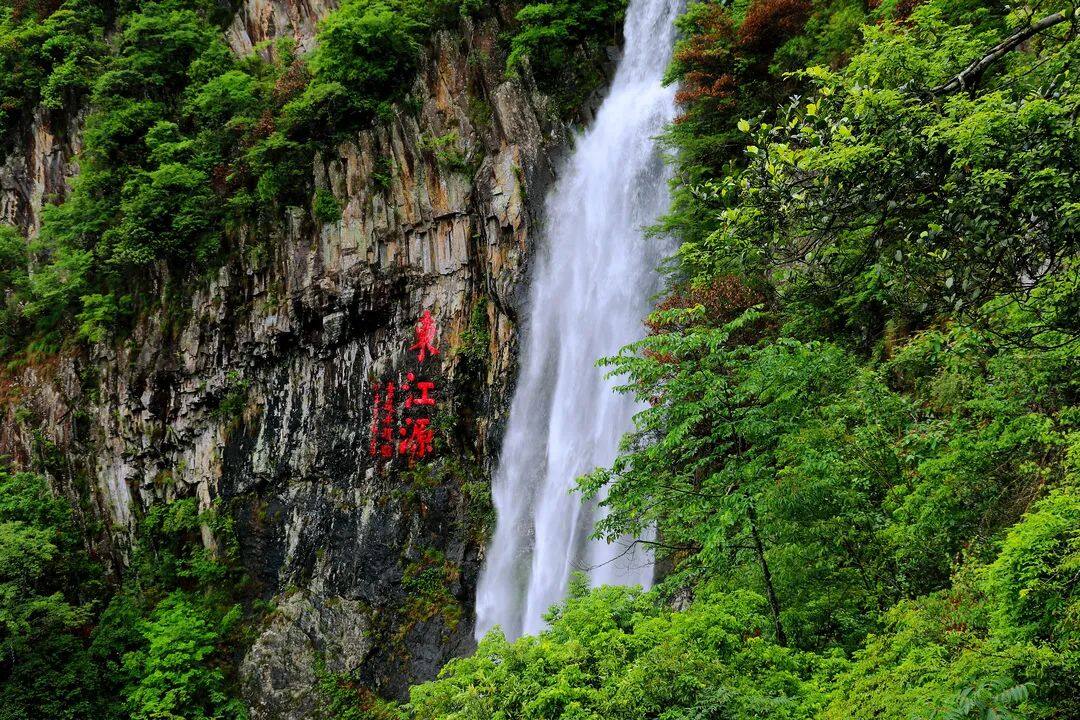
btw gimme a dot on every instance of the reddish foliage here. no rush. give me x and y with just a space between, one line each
265 126
227 178
291 82
707 59
219 178
717 58
724 299
699 85
40 9
770 23
904 8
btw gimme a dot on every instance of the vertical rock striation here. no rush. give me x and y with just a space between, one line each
41 170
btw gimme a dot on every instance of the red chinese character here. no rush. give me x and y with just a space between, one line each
424 399
425 337
419 443
374 449
384 418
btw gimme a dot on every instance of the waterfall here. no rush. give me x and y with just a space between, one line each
590 291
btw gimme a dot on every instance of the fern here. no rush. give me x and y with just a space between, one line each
996 699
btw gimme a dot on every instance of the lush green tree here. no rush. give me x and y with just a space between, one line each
616 653
174 677
369 48
48 58
48 595
554 36
874 201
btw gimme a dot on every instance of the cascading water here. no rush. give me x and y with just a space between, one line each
591 288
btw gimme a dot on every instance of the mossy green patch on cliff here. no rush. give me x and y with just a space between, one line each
553 37
447 151
416 484
325 207
476 339
426 584
346 698
233 398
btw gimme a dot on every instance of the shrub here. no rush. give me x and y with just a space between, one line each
366 56
48 588
551 36
325 207
174 675
99 316
618 654
369 48
167 213
46 58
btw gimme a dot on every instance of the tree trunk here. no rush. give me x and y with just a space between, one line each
770 591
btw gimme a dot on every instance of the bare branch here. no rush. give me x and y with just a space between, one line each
970 75
629 547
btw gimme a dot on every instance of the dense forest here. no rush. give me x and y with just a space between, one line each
859 447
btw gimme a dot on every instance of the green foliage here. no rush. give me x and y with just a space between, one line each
427 582
989 701
343 698
551 38
154 649
370 48
617 653
174 676
446 152
234 397
47 59
325 207
1032 577
366 58
935 207
168 631
99 316
844 476
964 653
48 593
144 195
476 339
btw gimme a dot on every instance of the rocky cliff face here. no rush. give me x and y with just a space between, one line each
257 397
40 170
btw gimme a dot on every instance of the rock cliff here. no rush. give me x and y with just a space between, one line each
255 391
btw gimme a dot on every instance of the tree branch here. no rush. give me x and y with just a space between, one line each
628 547
774 603
970 75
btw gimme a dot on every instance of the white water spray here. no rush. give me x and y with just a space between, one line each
591 288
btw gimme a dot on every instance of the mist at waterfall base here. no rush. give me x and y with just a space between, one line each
591 287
